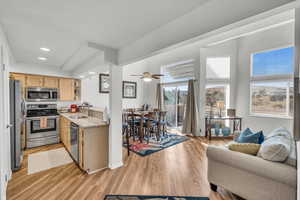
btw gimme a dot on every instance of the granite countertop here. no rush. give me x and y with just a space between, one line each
87 122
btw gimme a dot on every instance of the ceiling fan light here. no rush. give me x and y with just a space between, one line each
147 79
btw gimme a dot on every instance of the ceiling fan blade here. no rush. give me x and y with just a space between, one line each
157 75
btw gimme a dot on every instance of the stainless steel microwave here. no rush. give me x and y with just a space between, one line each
41 94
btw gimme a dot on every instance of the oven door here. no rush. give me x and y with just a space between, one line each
34 130
36 95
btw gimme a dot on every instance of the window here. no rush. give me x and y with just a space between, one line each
217 86
271 85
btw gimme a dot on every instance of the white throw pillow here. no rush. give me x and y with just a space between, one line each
277 145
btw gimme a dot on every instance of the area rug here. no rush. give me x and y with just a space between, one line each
133 197
47 159
144 149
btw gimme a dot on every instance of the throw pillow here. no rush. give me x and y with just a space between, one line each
277 146
247 148
247 136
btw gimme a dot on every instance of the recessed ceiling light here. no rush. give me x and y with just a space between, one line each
42 58
81 76
45 49
91 73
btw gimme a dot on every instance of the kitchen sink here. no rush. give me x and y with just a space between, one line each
78 116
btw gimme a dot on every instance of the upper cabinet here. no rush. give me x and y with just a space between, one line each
34 81
51 82
67 89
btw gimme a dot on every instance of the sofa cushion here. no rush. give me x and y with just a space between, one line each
277 146
273 170
247 148
247 136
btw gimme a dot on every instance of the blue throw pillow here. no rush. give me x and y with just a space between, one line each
247 136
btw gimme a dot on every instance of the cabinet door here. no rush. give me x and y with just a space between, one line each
34 81
50 82
66 88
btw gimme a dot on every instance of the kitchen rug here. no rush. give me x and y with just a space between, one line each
138 197
41 161
144 149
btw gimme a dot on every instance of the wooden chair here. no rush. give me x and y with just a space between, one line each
150 125
162 122
125 129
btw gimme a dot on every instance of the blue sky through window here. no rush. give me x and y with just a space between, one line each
275 62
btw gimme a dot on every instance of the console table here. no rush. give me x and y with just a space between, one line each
237 124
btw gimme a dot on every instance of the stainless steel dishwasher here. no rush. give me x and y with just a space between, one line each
75 141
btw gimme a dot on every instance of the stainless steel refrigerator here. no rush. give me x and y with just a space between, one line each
16 122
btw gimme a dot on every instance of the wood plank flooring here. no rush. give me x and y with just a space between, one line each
178 170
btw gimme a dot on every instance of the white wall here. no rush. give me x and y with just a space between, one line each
39 69
134 69
270 39
5 171
90 92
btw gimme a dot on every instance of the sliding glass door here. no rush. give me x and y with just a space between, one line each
174 100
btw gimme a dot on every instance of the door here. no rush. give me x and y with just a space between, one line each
4 123
34 81
174 99
67 89
50 82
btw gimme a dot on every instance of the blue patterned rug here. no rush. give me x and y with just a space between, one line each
133 197
144 149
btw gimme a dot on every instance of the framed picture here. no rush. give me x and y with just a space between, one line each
129 90
104 83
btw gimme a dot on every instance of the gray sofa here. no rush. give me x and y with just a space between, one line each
250 177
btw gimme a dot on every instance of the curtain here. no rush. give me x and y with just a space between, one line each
190 122
158 96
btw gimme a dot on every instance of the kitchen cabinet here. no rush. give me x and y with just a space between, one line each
67 89
93 149
65 135
51 82
34 81
70 89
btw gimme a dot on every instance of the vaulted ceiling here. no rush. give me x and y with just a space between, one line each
65 26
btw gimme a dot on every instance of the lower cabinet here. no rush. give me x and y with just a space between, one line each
93 149
92 145
65 136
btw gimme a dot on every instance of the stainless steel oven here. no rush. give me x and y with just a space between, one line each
41 94
38 135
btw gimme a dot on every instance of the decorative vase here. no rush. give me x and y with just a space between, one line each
226 131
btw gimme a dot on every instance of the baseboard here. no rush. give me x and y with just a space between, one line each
115 165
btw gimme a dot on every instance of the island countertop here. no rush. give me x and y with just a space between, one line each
86 121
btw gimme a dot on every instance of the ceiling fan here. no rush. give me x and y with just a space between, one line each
147 76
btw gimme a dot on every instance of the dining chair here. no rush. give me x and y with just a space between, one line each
125 129
161 124
150 125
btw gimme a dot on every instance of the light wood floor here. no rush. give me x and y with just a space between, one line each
178 170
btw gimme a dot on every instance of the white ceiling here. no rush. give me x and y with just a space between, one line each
65 25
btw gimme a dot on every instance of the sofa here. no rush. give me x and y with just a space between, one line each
250 177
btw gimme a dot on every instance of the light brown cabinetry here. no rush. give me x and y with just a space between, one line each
65 136
51 82
34 81
93 148
67 89
70 89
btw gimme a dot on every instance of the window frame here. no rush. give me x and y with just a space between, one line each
224 82
289 78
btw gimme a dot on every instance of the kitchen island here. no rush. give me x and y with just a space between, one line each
86 139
